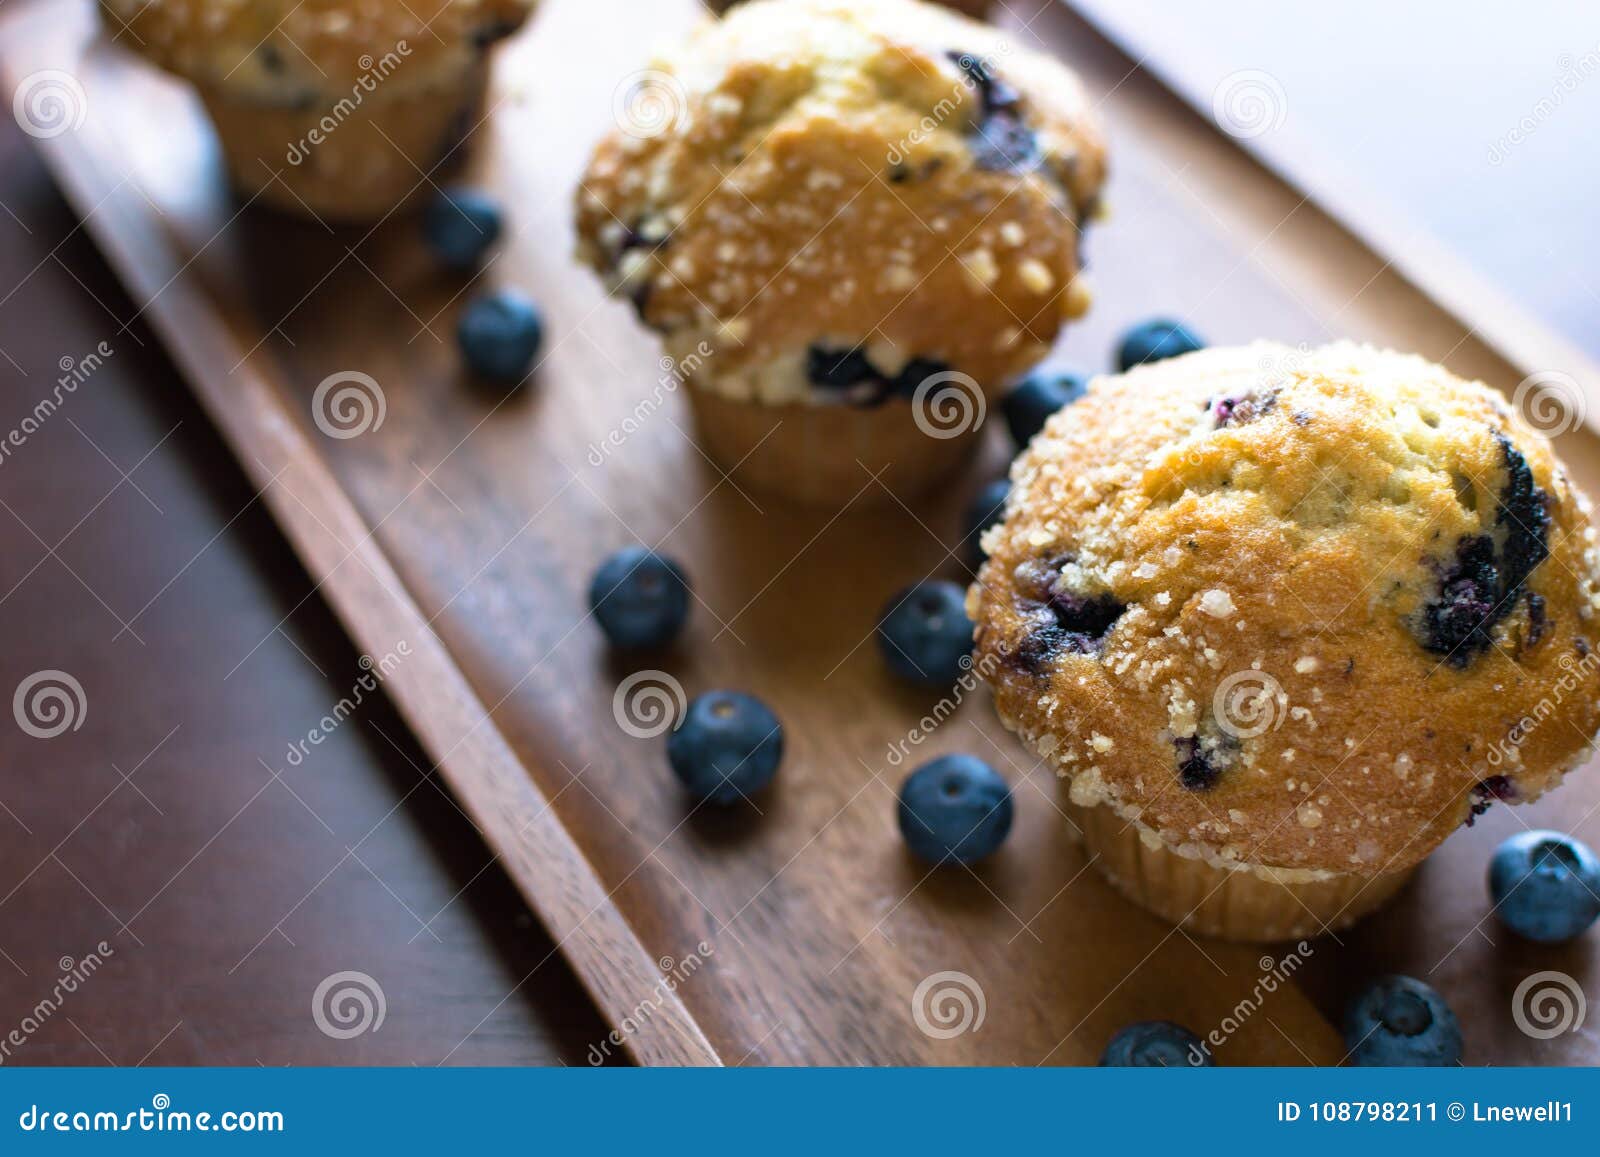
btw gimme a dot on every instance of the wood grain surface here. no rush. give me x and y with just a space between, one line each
810 927
226 894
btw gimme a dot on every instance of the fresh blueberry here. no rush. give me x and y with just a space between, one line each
1155 340
988 507
1546 886
955 807
499 334
639 598
1153 1044
459 225
1397 1021
1035 398
727 747
925 635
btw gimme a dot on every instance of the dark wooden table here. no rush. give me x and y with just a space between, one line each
226 881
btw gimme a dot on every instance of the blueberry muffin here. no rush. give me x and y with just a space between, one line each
329 107
970 7
1283 620
853 222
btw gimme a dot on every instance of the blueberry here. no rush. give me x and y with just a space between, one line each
925 634
1060 620
1538 620
727 747
1156 1044
646 235
1396 1020
639 598
1155 340
836 368
988 508
1484 581
1035 398
1486 791
499 334
1242 409
1523 515
1457 623
1000 139
914 373
955 807
459 225
1003 143
1197 771
1546 886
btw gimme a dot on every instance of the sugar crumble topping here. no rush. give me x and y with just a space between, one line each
1252 651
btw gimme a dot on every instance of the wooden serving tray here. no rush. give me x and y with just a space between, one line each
466 525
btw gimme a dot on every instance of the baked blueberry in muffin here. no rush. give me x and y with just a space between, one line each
1283 629
855 206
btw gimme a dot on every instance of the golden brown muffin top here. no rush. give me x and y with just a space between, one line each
876 172
1301 609
287 50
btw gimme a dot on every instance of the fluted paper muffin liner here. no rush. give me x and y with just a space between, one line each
827 455
354 168
1227 903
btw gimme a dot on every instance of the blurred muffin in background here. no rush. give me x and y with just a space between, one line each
330 108
977 8
852 223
